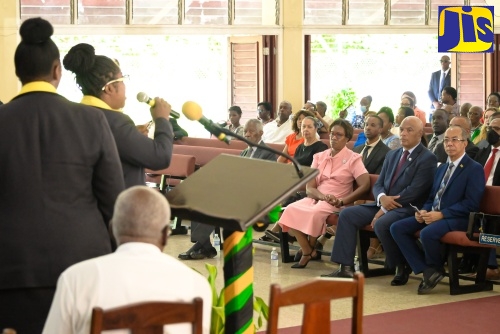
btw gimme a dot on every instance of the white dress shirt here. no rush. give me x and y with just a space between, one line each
274 134
136 272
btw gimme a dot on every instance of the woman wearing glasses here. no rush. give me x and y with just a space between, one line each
338 168
102 84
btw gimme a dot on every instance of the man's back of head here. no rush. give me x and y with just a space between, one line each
141 215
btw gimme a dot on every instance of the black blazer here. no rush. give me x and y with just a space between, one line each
138 151
375 160
260 153
442 157
433 92
61 175
482 157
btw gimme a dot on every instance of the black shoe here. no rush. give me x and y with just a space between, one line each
302 266
204 254
275 236
318 246
298 255
343 271
430 283
466 266
402 274
185 255
266 238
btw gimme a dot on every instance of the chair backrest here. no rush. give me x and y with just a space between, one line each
148 317
489 202
181 166
316 295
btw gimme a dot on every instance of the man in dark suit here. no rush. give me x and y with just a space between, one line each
404 179
470 149
440 122
457 190
200 233
439 80
59 178
489 158
374 150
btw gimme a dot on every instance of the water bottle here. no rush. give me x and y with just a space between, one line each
356 264
274 257
217 245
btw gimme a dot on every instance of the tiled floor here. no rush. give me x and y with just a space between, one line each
379 297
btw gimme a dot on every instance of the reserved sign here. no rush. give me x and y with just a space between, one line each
489 239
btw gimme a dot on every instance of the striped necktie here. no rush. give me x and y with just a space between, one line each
437 199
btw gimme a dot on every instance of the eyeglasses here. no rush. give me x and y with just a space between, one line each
336 135
453 141
405 105
123 78
445 61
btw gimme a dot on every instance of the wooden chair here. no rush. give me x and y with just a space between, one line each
316 295
148 318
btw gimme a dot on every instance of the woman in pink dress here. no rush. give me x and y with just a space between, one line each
338 168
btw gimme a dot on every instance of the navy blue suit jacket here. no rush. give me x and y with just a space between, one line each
463 192
434 93
414 180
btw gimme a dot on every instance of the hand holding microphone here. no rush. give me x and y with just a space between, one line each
159 107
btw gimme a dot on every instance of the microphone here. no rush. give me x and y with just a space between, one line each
143 97
192 111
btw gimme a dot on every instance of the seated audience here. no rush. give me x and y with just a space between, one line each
338 168
486 117
470 149
294 139
138 271
464 109
358 121
457 190
408 99
311 144
449 99
309 106
264 110
475 114
322 116
403 112
484 143
233 124
390 139
404 180
276 131
440 121
200 233
493 100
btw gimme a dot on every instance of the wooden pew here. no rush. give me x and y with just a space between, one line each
203 154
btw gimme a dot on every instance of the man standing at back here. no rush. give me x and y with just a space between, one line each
404 180
137 272
59 178
439 80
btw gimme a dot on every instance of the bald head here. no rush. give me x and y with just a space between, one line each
141 214
475 114
462 122
464 109
410 132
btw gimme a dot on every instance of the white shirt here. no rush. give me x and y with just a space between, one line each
489 182
274 134
370 147
136 272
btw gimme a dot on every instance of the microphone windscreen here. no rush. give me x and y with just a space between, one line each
192 111
142 97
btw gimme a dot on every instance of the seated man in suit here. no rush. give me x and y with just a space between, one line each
489 157
404 179
440 122
137 272
200 233
373 152
470 149
457 190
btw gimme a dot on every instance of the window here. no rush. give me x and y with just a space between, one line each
155 12
56 11
323 12
248 12
206 12
107 12
410 12
366 12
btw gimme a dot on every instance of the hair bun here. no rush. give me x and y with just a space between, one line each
80 58
36 30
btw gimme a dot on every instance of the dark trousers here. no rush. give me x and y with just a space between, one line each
403 232
25 310
200 234
351 220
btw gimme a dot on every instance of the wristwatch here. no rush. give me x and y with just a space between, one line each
341 202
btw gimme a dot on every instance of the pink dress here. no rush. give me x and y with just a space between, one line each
336 176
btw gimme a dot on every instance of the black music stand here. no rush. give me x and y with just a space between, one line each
234 193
